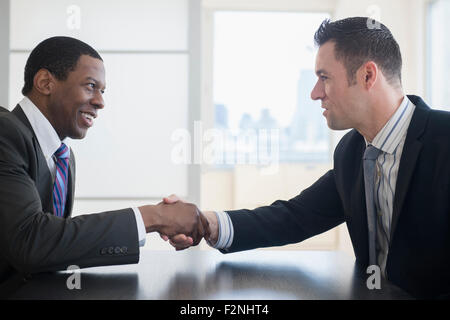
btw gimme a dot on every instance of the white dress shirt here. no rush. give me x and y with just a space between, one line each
49 142
390 140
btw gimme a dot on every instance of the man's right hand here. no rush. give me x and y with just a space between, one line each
174 219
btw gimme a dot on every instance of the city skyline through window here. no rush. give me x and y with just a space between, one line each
263 77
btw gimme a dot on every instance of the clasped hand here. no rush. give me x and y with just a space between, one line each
183 223
181 240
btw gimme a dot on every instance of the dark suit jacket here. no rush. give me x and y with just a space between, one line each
419 252
32 239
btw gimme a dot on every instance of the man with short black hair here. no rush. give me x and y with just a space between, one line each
391 177
64 84
358 40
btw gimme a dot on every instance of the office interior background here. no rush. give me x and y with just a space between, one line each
210 99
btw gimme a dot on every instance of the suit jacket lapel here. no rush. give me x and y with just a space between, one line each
44 182
411 151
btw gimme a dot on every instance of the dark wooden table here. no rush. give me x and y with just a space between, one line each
195 274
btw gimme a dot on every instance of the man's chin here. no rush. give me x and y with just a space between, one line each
80 134
333 125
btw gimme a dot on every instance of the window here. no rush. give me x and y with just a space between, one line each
263 76
438 47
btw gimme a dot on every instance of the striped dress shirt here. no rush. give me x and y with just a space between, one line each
390 140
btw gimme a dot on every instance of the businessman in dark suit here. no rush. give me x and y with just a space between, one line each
64 83
398 216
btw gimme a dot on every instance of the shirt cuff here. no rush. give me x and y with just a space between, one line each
140 227
226 231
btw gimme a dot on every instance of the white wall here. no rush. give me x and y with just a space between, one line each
4 52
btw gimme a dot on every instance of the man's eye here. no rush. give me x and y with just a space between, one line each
323 78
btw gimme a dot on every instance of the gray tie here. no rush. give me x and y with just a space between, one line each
370 157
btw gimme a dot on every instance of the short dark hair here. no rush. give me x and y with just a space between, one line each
59 55
361 39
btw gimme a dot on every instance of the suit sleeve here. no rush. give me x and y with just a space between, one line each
35 241
315 210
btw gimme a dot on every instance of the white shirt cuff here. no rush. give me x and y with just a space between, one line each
226 231
140 227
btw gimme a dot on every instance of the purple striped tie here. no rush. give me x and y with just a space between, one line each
61 178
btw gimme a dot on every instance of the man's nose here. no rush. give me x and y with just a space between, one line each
318 91
98 101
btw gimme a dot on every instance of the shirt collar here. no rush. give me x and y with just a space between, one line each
45 133
390 136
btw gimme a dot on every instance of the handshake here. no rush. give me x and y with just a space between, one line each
180 222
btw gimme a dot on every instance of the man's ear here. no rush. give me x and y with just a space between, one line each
44 82
369 74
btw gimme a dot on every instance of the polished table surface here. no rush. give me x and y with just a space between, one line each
207 274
